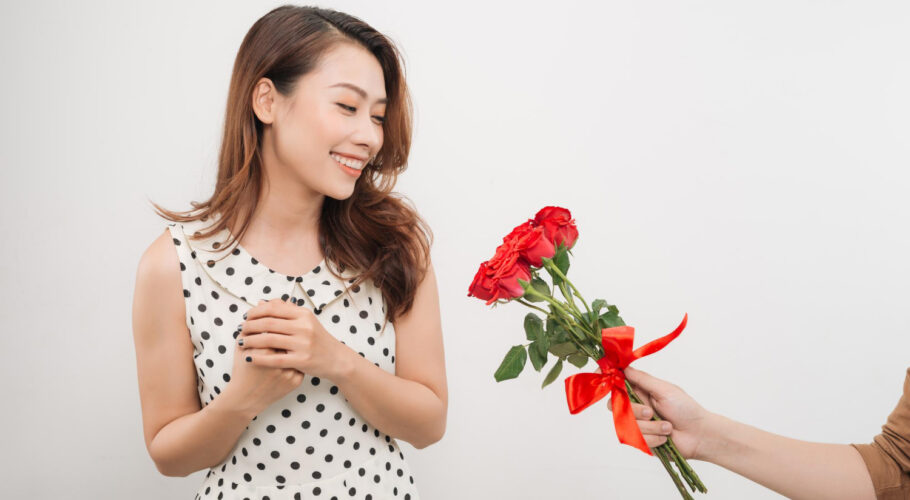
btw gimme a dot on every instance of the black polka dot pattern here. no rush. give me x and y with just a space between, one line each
311 443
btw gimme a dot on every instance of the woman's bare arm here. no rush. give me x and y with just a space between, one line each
181 437
412 403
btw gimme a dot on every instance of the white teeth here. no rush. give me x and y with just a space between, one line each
355 164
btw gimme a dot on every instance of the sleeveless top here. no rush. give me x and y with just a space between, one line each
311 443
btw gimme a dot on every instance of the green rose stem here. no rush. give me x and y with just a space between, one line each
532 306
567 313
565 322
666 463
555 269
669 448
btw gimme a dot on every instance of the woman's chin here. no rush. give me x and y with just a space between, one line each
341 193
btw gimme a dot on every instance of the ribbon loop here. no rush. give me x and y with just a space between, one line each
585 389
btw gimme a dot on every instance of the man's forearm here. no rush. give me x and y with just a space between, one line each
796 469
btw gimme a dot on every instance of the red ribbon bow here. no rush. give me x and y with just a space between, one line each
585 389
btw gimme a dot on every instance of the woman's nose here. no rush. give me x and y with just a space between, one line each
369 134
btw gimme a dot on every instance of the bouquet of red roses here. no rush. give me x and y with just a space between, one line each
571 330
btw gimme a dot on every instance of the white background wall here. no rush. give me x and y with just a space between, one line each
745 162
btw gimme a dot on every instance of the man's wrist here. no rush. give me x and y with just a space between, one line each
712 438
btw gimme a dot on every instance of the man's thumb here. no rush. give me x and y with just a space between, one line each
647 382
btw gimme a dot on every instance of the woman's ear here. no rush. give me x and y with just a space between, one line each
264 94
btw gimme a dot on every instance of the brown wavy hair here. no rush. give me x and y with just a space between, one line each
374 231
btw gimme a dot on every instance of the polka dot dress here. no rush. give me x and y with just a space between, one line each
311 443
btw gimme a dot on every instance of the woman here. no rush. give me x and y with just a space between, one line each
793 468
306 263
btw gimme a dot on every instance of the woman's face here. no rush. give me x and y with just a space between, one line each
336 110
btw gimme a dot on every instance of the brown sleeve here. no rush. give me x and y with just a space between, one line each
888 456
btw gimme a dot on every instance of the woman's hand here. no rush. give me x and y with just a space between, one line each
253 388
687 419
297 338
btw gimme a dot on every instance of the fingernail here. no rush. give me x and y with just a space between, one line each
248 359
240 341
244 315
665 427
646 412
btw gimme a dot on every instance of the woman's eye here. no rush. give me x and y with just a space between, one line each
352 109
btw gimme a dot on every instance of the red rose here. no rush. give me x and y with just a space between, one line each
508 266
558 224
508 280
534 244
498 277
519 231
483 287
531 243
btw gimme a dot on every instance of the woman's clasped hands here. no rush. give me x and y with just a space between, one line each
278 334
276 345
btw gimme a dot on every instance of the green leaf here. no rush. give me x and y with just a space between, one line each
551 376
541 286
611 318
597 305
588 317
530 295
543 344
555 277
537 359
580 335
512 364
562 335
560 248
562 260
551 325
555 332
533 327
563 349
579 359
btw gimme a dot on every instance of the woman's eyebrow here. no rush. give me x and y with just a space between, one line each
355 88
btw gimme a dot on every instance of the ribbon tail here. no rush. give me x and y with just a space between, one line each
658 344
624 420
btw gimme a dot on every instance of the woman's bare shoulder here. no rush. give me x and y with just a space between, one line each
158 277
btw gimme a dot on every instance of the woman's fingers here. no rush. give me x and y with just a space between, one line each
273 308
270 360
265 324
275 341
257 352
